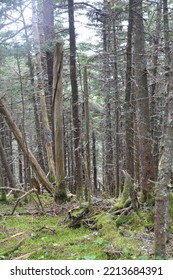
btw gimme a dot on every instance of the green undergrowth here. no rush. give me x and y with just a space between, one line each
47 236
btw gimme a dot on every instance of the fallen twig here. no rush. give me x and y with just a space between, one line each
47 228
24 195
25 256
13 236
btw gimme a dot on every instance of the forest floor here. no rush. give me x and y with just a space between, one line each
71 232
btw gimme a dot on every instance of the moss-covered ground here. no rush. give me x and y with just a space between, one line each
31 234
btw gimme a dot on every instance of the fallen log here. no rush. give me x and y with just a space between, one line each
27 152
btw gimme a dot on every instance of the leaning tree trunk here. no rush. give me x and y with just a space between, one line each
60 190
31 158
142 102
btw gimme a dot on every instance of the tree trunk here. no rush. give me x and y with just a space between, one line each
87 136
39 68
75 112
129 133
94 161
117 109
60 190
7 168
18 135
164 177
155 119
142 102
34 97
162 186
49 37
109 156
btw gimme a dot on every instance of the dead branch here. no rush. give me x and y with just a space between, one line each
24 195
11 237
123 210
25 256
12 189
52 229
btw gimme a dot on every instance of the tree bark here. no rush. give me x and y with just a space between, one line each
87 135
142 102
75 112
5 163
60 190
129 133
155 119
47 131
94 161
49 37
109 156
164 176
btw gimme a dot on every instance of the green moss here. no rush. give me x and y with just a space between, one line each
52 178
103 219
125 194
48 237
60 195
3 197
137 220
79 193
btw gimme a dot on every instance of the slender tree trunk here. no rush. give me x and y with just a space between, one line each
109 157
142 102
87 134
60 190
20 165
94 161
7 168
75 112
117 109
34 97
166 51
47 131
162 218
162 187
156 134
128 97
49 37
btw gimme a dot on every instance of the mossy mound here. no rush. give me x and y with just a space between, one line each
137 220
103 219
